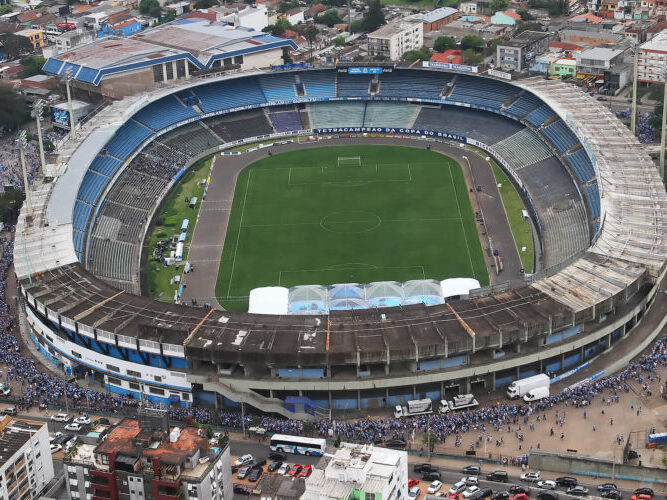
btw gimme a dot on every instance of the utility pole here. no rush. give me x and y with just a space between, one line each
68 78
37 109
664 122
26 186
633 117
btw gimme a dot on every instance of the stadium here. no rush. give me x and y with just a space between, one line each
594 196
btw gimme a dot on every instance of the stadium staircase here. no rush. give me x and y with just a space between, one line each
448 89
262 403
205 125
363 119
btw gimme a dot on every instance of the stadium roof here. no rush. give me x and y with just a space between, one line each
198 40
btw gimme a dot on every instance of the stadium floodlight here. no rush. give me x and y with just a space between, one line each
68 78
664 122
26 187
37 109
634 46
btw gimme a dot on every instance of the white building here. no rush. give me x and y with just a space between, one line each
652 58
26 465
468 8
295 16
393 40
70 39
254 16
360 471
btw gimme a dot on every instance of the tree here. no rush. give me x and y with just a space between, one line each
287 59
205 4
443 43
470 57
528 27
279 28
472 41
287 6
525 16
496 5
32 65
310 34
374 17
429 440
356 27
339 41
423 54
308 428
10 205
330 18
5 9
14 45
13 109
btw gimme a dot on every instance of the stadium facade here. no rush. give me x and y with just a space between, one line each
80 293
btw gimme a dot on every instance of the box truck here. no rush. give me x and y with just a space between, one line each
459 402
414 407
536 394
519 388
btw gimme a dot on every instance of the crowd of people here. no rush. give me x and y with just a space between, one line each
645 133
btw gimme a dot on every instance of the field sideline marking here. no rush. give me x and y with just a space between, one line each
238 234
465 238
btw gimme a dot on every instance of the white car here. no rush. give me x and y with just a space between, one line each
457 487
69 444
61 417
73 427
55 448
55 436
434 486
547 485
283 469
530 476
470 491
414 492
245 459
471 480
217 435
83 420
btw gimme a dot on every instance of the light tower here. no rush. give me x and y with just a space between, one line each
634 45
68 78
37 109
664 121
26 187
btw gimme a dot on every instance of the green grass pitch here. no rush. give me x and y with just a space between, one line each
298 218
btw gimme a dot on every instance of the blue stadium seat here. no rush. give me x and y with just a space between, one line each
581 165
105 165
127 139
481 91
402 83
524 105
81 214
91 187
164 112
285 121
279 87
228 94
593 197
540 115
353 85
560 135
319 83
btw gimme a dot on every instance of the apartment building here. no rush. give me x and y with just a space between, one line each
393 40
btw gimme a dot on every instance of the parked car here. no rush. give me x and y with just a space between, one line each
243 460
274 466
498 476
294 470
547 495
577 491
470 491
546 484
431 476
11 410
413 481
55 448
612 494
242 489
74 427
644 491
607 486
61 417
482 493
567 481
458 487
397 444
414 492
283 469
472 470
434 487
243 473
104 421
278 456
258 462
423 468
501 495
235 468
471 480
641 497
520 496
519 490
83 420
255 474
53 437
306 471
530 477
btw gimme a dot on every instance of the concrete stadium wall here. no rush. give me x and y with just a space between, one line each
583 465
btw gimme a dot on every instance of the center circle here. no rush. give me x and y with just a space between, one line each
350 222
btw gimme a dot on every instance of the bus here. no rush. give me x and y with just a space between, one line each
298 445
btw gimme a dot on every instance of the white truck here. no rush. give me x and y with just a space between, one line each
458 403
521 387
536 394
414 407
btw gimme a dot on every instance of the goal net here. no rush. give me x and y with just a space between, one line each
345 161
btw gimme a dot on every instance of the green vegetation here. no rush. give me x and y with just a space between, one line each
151 7
423 54
14 45
521 229
298 218
168 224
13 109
10 205
497 5
374 16
279 28
472 42
32 65
330 17
443 43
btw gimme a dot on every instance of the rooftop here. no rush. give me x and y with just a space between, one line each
525 38
599 54
657 43
14 434
437 14
389 30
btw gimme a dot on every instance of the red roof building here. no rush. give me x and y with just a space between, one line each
451 56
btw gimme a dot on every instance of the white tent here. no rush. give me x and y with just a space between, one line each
268 300
458 286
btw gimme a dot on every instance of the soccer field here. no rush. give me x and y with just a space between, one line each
300 218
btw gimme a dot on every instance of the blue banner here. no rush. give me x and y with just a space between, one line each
385 130
365 71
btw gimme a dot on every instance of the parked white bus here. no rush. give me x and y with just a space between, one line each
298 445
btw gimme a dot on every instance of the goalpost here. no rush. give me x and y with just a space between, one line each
354 161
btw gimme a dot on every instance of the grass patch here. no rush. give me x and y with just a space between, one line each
298 218
168 223
521 229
